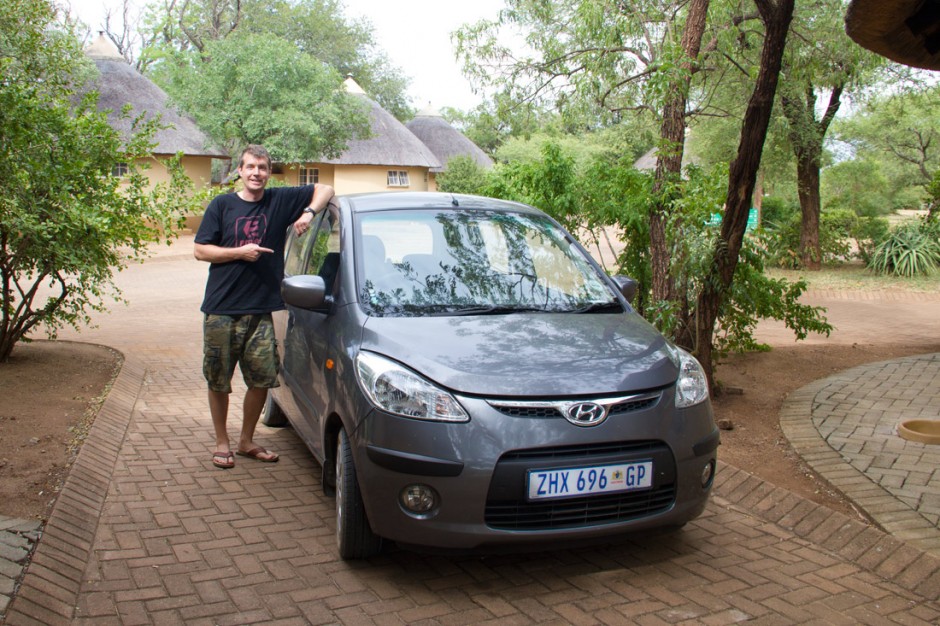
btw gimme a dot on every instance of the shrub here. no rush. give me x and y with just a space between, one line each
462 175
911 249
776 211
835 230
868 233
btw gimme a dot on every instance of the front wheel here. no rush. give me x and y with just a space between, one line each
273 415
354 536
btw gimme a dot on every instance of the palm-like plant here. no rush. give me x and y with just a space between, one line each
909 250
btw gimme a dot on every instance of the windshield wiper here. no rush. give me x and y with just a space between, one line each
600 307
488 310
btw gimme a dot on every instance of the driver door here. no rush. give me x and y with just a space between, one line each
307 333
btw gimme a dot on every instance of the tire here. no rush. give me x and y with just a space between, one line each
272 415
354 536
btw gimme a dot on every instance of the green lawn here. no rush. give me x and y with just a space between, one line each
855 277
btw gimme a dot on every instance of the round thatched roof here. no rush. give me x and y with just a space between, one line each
120 84
391 144
906 31
444 140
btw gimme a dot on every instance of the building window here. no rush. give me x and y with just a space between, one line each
397 178
309 176
120 170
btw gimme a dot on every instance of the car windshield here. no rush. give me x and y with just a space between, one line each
473 262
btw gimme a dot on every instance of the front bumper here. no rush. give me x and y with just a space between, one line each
478 471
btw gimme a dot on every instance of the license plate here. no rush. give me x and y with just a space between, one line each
582 481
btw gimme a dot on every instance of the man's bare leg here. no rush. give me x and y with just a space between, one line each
251 413
218 409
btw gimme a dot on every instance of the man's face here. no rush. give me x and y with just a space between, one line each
254 172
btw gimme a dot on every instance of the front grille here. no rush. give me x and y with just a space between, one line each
528 411
631 406
578 512
556 408
507 507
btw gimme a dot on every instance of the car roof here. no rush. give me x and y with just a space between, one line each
396 200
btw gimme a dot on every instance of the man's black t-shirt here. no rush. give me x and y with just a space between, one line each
244 287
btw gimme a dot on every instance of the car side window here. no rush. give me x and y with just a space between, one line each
298 248
324 257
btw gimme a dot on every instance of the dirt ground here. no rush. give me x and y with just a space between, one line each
51 391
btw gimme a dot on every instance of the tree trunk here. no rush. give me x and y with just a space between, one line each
742 177
808 186
807 136
669 159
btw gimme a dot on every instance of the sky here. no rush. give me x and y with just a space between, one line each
415 35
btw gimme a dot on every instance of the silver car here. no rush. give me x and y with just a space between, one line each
469 378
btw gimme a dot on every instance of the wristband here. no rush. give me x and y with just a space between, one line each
310 209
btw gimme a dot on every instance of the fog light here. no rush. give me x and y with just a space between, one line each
708 472
418 500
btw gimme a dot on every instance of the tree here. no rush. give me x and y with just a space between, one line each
462 175
742 177
490 124
933 198
66 224
317 28
820 59
671 150
858 185
901 133
249 88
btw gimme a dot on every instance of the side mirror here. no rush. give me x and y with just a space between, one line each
306 292
627 287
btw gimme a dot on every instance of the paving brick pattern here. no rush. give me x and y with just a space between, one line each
851 439
17 540
148 532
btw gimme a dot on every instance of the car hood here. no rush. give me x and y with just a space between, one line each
528 354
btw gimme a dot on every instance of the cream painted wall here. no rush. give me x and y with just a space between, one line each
290 174
347 179
366 178
199 170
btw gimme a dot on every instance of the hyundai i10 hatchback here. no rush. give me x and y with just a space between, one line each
469 378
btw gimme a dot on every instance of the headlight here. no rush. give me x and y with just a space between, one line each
398 390
692 385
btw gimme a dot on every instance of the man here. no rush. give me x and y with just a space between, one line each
242 236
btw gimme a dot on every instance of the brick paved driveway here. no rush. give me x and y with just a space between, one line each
148 532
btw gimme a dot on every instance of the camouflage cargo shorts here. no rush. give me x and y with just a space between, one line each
247 340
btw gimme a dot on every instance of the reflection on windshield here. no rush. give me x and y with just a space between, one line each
472 262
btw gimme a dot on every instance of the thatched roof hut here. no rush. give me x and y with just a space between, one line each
906 31
120 84
391 144
444 140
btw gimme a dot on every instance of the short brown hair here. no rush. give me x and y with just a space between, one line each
256 151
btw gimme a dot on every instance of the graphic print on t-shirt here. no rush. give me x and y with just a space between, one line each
250 229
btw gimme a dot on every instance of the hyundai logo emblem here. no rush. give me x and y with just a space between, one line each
585 414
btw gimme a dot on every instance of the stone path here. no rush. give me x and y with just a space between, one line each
17 540
851 440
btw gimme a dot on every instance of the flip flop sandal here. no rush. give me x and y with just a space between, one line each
225 460
255 453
